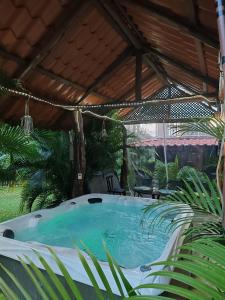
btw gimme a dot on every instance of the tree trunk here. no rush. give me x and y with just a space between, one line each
124 168
79 162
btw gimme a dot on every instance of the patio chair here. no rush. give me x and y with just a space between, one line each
113 186
97 183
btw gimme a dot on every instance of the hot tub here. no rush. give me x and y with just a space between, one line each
92 219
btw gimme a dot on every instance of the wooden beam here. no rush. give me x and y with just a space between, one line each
186 68
184 120
122 58
138 77
22 62
175 20
73 84
132 90
124 167
113 11
51 38
191 90
109 18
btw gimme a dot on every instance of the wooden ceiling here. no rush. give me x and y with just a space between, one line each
97 51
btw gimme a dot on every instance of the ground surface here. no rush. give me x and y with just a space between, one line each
9 203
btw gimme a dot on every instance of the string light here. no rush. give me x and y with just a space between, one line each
109 105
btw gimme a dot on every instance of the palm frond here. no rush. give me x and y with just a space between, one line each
206 264
197 197
211 126
52 288
13 141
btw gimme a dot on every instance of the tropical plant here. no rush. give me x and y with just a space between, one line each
14 144
199 202
159 173
15 147
202 259
48 178
175 173
106 149
213 126
201 266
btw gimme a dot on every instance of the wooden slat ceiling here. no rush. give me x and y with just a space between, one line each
72 51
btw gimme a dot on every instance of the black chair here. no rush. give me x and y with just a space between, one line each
110 186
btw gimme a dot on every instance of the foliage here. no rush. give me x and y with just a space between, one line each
187 171
40 162
15 148
13 141
55 290
199 197
49 177
213 126
204 260
175 173
103 152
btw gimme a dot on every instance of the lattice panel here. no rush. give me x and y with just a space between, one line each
168 112
149 113
189 110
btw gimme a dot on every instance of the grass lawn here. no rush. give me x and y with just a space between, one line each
9 203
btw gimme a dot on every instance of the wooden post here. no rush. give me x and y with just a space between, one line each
124 168
138 75
221 28
79 156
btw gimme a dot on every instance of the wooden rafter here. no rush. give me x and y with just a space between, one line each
192 10
22 62
127 30
192 90
121 59
51 38
177 21
185 67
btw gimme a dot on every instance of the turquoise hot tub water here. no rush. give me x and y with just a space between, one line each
116 223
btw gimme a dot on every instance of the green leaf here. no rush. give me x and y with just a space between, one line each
17 283
91 276
67 276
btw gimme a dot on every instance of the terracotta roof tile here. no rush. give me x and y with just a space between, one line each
181 141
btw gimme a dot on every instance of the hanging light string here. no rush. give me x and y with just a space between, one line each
118 105
104 118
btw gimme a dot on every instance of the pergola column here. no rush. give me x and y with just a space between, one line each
124 167
221 29
79 166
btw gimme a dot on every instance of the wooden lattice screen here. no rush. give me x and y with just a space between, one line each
170 113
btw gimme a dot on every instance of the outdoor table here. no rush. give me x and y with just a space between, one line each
166 192
141 190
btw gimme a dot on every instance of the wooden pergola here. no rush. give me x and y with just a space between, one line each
89 54
104 51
